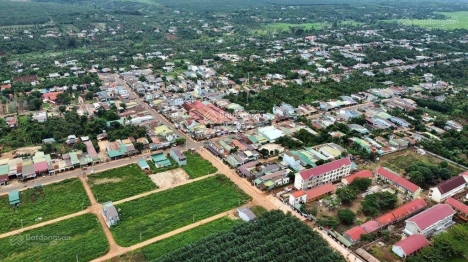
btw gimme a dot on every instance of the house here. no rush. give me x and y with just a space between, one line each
4 172
110 214
399 121
178 156
12 121
160 160
40 117
13 197
271 133
246 214
428 222
361 174
400 183
447 189
323 174
459 207
143 164
48 141
409 245
302 196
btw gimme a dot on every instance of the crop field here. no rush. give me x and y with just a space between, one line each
154 215
119 183
59 199
197 166
158 249
454 20
77 239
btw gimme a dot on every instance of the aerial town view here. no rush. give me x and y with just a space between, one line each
234 130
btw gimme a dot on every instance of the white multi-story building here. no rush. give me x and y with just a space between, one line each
323 174
436 218
447 189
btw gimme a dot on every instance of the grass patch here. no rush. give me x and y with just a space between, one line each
197 166
80 237
119 183
454 20
60 199
160 248
163 212
258 210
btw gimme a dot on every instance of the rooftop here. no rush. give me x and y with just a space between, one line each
322 169
431 216
412 243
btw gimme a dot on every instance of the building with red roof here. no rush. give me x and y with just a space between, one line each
461 208
323 174
410 245
302 196
371 226
354 234
400 183
436 218
361 174
447 188
52 96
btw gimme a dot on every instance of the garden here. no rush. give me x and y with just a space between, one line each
156 214
119 183
43 204
197 166
77 239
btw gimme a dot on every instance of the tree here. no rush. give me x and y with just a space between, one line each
264 152
381 201
139 146
362 184
346 216
89 95
443 164
180 141
330 222
80 146
417 177
346 194
62 109
63 98
445 173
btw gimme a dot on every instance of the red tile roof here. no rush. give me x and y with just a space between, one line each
412 243
360 174
322 169
355 233
51 96
451 184
457 205
386 219
409 208
371 226
7 86
387 173
431 216
297 194
319 191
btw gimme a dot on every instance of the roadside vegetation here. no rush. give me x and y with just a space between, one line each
197 166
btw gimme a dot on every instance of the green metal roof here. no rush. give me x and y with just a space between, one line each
13 197
4 170
269 183
74 158
114 153
258 181
143 164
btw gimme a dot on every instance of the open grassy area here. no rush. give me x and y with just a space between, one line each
163 212
59 199
403 159
78 239
454 20
158 249
119 183
197 166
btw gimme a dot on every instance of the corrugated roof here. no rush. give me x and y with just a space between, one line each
431 216
322 169
457 205
319 191
451 184
371 226
409 208
360 174
355 233
397 179
412 243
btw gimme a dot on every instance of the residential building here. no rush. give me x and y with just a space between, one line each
428 222
110 214
447 189
400 183
302 196
143 164
323 174
409 245
178 156
160 160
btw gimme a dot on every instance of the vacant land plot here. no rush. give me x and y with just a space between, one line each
169 178
158 249
197 166
454 20
57 200
76 239
163 212
119 183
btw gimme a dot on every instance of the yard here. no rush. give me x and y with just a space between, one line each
58 199
154 215
197 166
77 239
119 183
154 251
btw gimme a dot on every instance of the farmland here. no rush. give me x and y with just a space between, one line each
59 199
197 166
163 212
120 183
273 231
80 238
158 249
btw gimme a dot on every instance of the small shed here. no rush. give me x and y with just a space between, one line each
13 197
246 214
143 164
110 214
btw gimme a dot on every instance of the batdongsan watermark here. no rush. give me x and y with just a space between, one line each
36 240
426 22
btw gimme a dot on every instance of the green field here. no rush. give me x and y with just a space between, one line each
59 199
281 27
77 239
454 20
119 183
158 249
163 212
197 166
